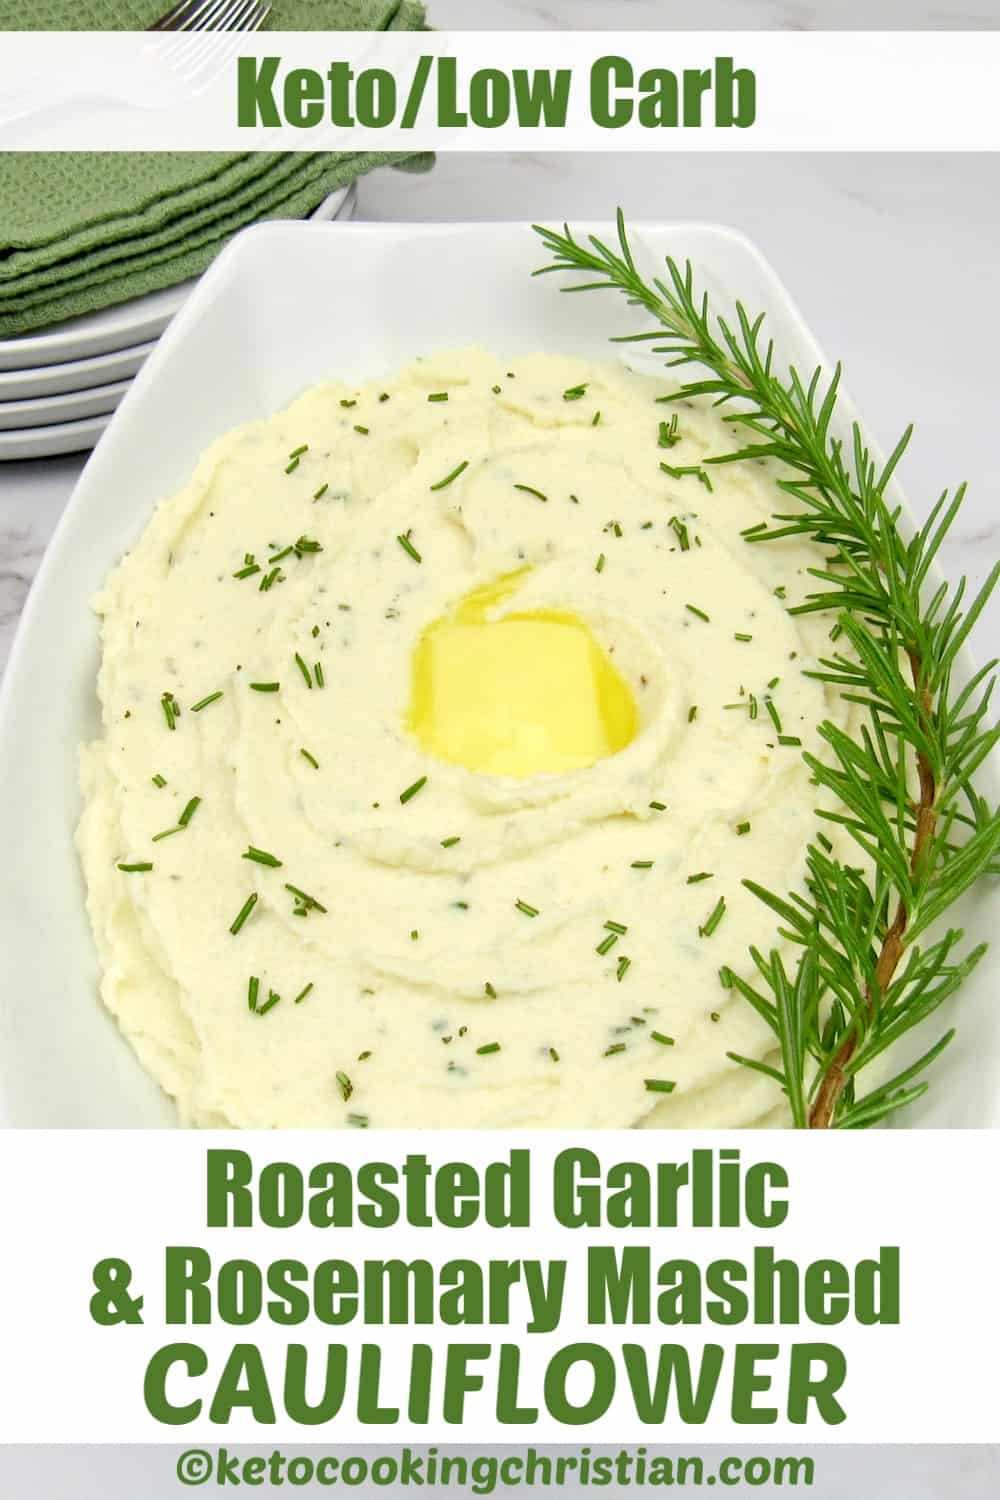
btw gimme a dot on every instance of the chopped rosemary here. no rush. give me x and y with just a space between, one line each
248 570
713 919
489 990
624 965
618 927
318 674
686 469
261 857
253 990
310 758
525 908
189 812
243 913
448 478
359 428
166 833
265 687
450 843
607 943
438 396
701 875
658 806
269 1004
404 541
413 789
321 491
659 1086
171 709
347 403
303 993
574 392
680 531
158 780
487 1049
596 419
358 1122
599 565
614 1049
694 610
304 903
641 864
529 489
668 433
196 708
659 1036
306 674
345 1085
298 452
137 868
553 1054
742 828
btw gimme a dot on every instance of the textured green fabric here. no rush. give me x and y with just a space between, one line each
84 230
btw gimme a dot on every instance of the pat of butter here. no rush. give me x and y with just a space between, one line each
519 695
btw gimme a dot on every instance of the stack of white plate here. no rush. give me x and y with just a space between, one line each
59 388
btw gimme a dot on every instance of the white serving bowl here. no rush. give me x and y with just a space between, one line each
283 307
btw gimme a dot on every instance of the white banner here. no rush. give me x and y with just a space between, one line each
502 91
772 1287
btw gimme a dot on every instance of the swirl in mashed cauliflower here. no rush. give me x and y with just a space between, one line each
419 941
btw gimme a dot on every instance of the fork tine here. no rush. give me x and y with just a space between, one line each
214 15
259 12
208 48
232 12
210 16
179 15
166 21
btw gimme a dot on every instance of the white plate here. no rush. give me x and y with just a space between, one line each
46 410
76 375
130 323
46 442
350 302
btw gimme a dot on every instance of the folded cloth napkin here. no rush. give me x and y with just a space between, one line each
84 230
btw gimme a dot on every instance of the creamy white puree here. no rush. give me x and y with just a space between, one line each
413 931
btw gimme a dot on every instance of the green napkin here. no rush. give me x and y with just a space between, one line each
84 230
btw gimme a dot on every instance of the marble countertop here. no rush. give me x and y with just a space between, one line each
890 1473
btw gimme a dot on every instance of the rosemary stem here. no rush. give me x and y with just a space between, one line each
835 1078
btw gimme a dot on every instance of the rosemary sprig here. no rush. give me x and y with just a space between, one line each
866 970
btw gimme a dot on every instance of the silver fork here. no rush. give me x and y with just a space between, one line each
214 15
210 35
210 39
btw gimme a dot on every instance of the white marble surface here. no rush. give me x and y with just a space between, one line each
924 1473
891 258
715 15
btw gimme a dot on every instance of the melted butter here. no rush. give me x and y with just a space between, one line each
530 692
